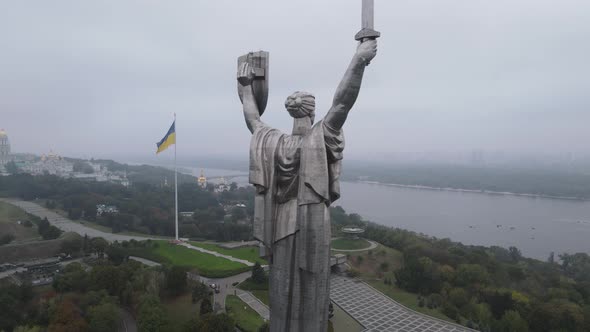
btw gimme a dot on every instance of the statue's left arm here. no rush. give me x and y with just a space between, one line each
251 112
349 87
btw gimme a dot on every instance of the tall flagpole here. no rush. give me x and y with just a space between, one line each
175 180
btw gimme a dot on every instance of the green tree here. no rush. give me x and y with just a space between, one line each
216 323
27 329
6 238
108 277
515 254
471 274
206 307
458 297
103 317
81 166
67 318
176 281
512 322
200 291
11 167
99 245
449 310
72 245
151 316
258 274
116 254
9 313
73 278
47 231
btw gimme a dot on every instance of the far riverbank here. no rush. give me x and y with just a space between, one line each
482 191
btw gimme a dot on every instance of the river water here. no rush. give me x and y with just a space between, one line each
536 226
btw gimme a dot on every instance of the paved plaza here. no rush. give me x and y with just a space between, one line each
377 312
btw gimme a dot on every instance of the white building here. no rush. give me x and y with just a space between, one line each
222 186
4 148
103 208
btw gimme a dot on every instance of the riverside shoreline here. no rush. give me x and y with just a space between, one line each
488 192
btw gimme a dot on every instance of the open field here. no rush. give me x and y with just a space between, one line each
9 217
350 244
33 250
207 265
246 318
246 253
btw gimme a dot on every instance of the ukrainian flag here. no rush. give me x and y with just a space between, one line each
168 140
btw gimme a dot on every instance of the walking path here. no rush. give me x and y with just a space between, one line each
377 312
144 261
371 247
127 323
254 303
226 287
214 253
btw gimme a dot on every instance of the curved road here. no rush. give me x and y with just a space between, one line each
68 225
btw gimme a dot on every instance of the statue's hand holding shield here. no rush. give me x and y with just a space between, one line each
245 74
253 71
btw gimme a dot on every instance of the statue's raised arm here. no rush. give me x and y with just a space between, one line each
349 87
251 113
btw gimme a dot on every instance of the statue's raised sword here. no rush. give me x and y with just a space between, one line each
367 22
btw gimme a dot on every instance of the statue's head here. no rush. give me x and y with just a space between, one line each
301 104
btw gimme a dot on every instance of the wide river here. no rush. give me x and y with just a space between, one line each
537 226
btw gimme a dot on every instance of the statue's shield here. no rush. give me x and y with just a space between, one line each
259 62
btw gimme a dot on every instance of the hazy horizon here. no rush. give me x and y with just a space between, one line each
103 79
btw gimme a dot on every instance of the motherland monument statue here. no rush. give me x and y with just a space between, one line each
297 178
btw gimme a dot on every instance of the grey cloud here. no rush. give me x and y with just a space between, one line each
104 77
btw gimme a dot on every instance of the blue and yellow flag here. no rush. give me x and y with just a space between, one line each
168 140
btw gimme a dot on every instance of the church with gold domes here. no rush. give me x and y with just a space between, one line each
202 180
4 147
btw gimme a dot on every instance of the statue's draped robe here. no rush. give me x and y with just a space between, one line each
296 179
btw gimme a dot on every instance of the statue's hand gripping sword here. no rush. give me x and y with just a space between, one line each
367 23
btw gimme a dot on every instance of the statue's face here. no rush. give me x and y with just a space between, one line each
301 104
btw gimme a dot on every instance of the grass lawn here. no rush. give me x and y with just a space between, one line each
258 290
246 253
262 295
9 216
207 265
350 244
179 310
246 318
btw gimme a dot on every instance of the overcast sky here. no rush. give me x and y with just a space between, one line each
103 78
